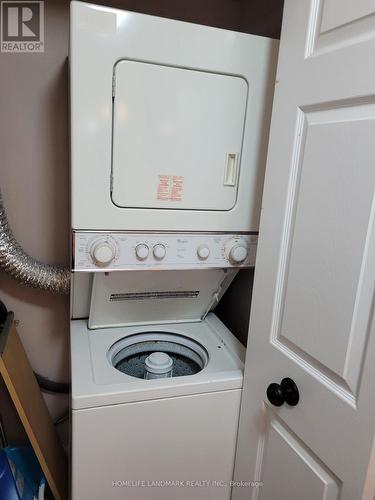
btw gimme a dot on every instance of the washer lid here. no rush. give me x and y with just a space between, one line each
177 137
151 297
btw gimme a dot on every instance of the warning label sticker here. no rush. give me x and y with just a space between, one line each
170 187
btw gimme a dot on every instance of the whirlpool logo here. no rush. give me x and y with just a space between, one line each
22 26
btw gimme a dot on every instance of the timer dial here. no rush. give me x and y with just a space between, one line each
102 252
236 251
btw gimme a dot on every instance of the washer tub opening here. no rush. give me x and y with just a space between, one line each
128 354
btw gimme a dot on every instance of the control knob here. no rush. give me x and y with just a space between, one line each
159 251
236 251
102 252
141 251
203 252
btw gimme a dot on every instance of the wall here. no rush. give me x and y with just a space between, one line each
34 182
34 162
234 307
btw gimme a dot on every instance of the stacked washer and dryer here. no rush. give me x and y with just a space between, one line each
169 125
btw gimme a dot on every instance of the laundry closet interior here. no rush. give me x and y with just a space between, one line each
169 132
187 235
168 108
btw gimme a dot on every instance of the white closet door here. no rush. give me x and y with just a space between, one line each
312 312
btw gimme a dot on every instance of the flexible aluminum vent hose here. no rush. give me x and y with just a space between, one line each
28 271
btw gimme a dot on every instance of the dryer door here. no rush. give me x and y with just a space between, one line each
177 137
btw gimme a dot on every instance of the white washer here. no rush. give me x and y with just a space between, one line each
159 439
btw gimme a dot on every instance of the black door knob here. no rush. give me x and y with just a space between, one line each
285 392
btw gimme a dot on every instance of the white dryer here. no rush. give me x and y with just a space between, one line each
169 125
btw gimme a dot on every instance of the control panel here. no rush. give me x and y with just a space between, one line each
100 251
